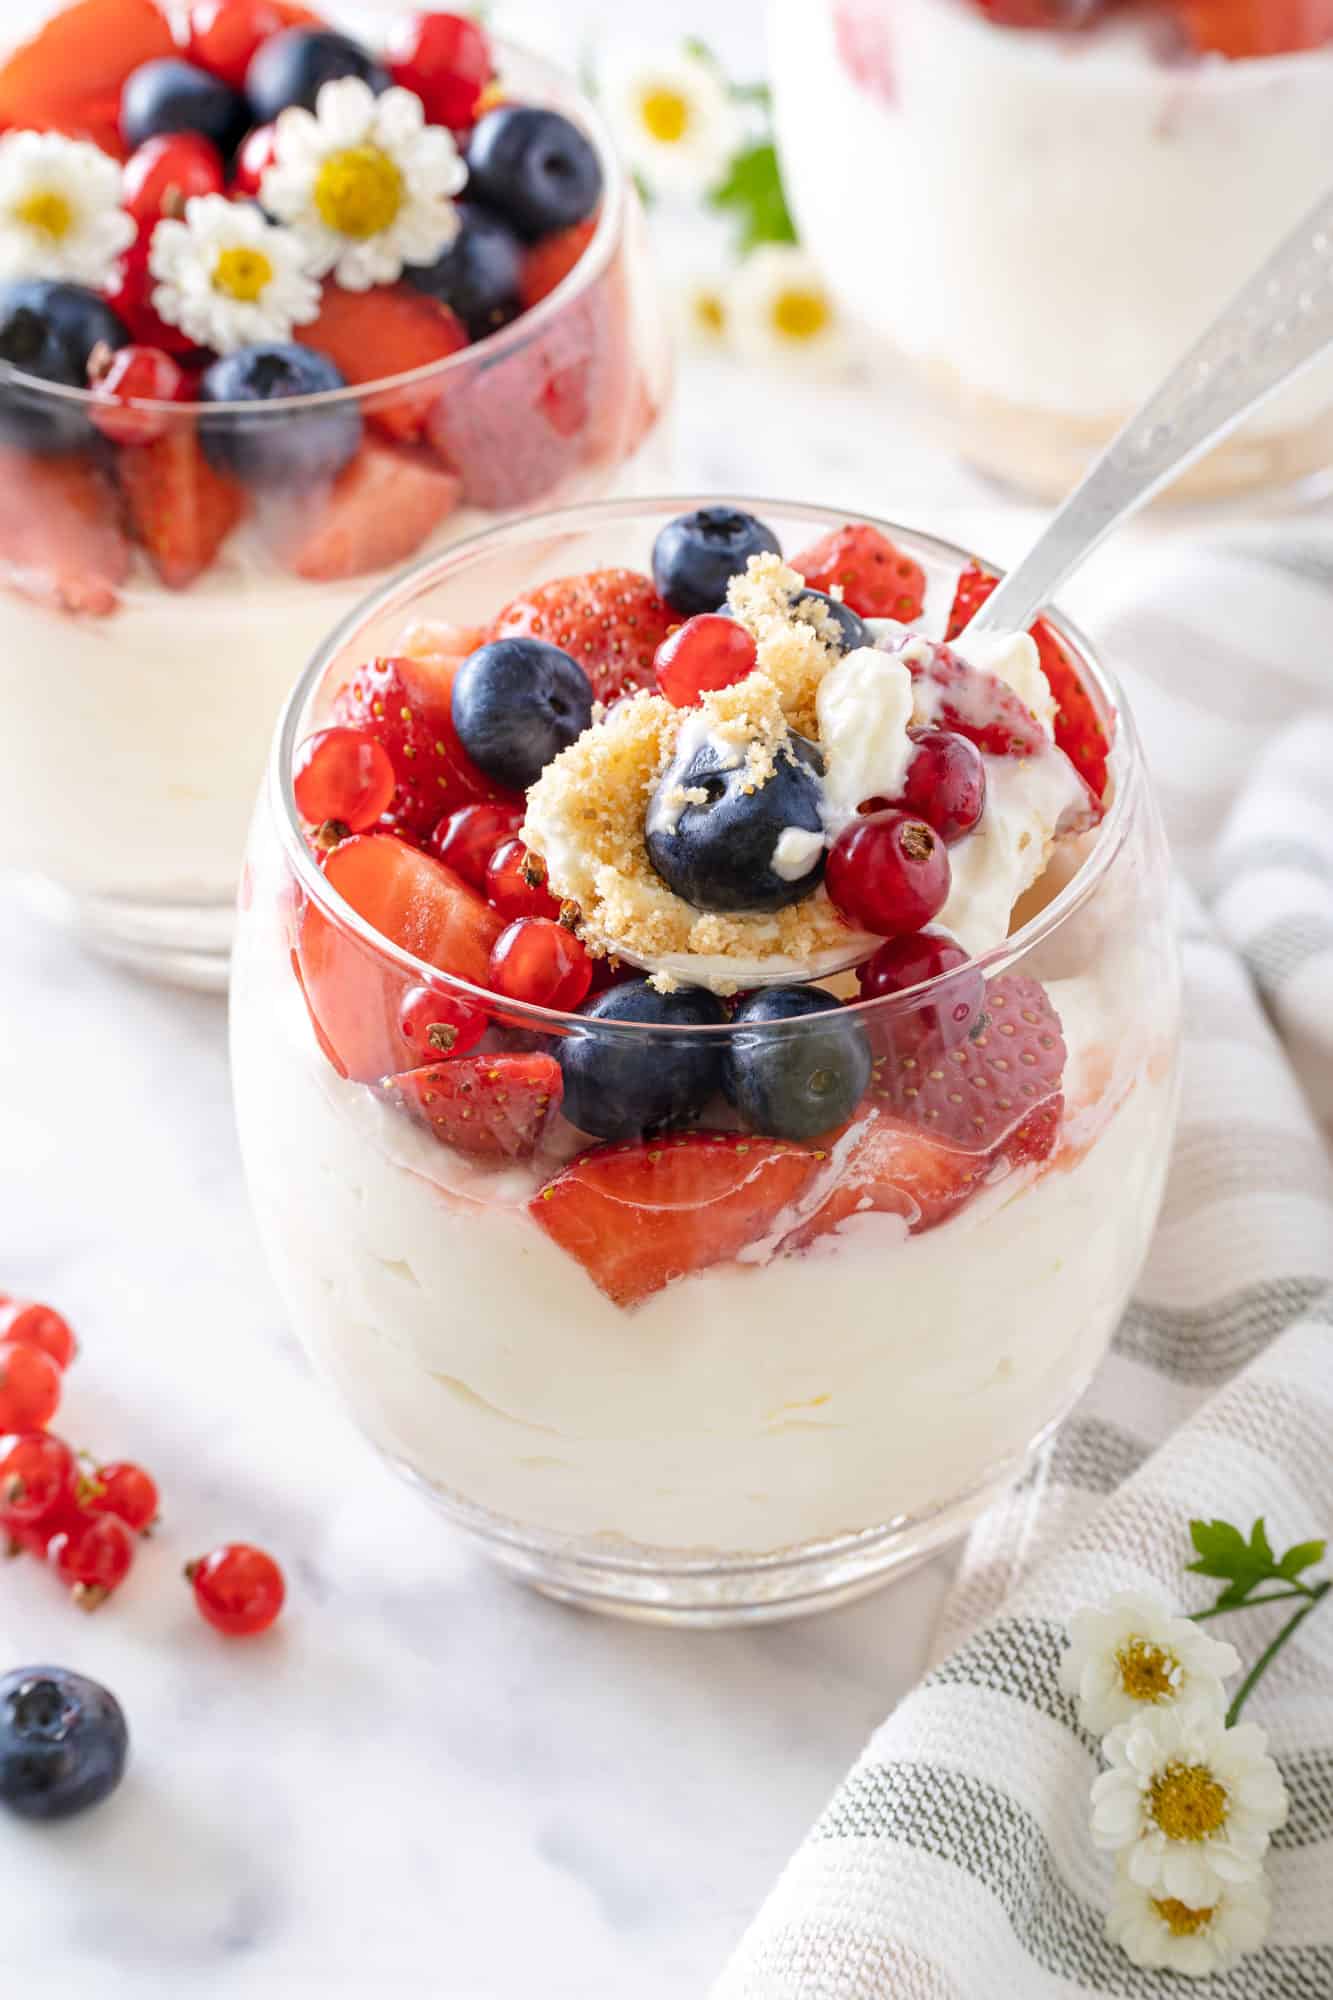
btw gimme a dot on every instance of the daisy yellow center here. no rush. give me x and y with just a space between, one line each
800 313
1187 1802
710 312
242 273
1180 1919
665 113
359 192
48 212
1146 1671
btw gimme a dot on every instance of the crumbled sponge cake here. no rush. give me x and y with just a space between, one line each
797 643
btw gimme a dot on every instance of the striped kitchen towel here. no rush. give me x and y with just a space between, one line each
954 1862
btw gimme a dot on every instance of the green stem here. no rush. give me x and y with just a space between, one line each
1273 1597
1271 1651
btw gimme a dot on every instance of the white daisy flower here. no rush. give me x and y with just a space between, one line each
365 183
675 120
780 312
60 212
702 310
1136 1652
1160 1932
1191 1803
228 277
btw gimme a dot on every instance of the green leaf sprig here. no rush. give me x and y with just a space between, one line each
1245 1565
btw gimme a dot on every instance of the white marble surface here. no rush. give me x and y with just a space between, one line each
426 1781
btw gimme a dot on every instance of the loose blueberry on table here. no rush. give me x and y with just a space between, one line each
211 211
63 1743
776 764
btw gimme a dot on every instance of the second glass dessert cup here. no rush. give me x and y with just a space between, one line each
150 612
702 1376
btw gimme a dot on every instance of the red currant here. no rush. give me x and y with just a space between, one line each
29 1387
343 775
136 375
888 873
946 783
224 34
237 1588
163 173
440 1024
466 839
128 1492
710 651
130 296
541 962
38 1326
516 883
93 1557
257 154
903 962
445 60
37 1473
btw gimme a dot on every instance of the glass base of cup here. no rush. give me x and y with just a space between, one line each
663 1587
181 943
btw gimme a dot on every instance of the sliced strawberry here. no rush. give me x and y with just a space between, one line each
378 512
876 578
353 994
548 263
979 705
637 1216
494 1107
894 1168
865 47
180 508
979 1090
61 539
386 331
68 77
1079 730
611 620
406 703
1240 28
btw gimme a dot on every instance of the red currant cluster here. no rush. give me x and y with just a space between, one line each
83 1517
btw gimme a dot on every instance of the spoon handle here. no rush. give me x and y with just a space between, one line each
1276 325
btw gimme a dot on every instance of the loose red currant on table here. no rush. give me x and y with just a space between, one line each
706 652
126 1491
41 1326
93 1557
541 962
257 154
237 1588
440 1024
30 1384
516 883
37 1473
163 174
946 783
224 34
888 873
136 375
445 60
466 839
343 775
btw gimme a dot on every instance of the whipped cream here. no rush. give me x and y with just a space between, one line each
865 710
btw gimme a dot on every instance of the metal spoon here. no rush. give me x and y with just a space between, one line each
1279 323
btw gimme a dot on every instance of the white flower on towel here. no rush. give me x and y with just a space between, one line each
1166 1934
1136 1653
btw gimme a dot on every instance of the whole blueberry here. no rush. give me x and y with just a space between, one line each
852 630
270 450
516 704
477 276
63 1742
535 167
696 555
621 1086
173 96
802 1083
733 848
293 66
49 330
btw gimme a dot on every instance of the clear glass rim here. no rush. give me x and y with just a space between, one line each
481 353
1126 765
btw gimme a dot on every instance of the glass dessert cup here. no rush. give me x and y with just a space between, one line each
1066 218
846 1375
140 695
